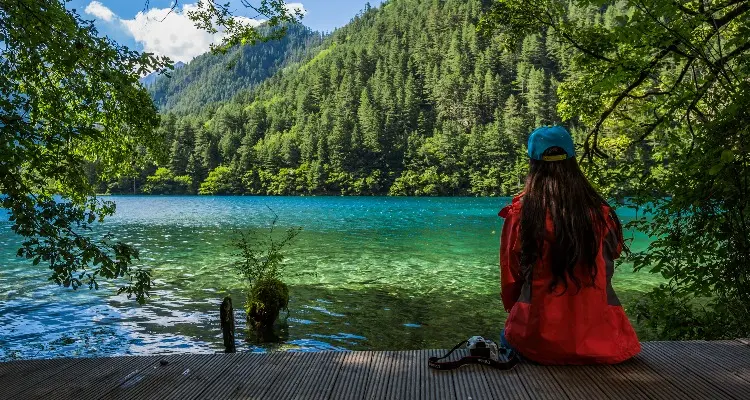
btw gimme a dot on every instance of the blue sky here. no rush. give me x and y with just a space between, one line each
129 23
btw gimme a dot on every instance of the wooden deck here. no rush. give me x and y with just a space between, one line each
664 370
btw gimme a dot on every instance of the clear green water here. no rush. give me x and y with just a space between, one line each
366 273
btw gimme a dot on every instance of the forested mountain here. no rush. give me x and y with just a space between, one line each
149 79
215 77
407 99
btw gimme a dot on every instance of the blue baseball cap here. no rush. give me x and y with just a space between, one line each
551 136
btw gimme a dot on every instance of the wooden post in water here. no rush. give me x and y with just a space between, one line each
227 324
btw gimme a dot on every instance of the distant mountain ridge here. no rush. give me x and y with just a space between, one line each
210 78
149 79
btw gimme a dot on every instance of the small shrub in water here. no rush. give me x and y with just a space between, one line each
267 298
261 266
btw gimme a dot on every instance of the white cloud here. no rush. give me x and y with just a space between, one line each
100 11
170 34
294 7
249 21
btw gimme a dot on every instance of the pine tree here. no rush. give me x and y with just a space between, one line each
207 149
514 125
536 97
196 171
182 146
532 50
370 122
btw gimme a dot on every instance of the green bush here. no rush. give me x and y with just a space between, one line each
222 180
669 315
163 181
265 301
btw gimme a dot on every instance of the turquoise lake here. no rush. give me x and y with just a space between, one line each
366 273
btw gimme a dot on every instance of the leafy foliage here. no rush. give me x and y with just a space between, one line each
69 99
672 315
665 121
164 182
72 113
222 180
261 257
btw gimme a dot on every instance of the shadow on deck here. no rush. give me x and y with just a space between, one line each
664 370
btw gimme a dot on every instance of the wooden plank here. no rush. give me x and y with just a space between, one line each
733 356
11 369
436 384
160 379
539 382
412 363
416 364
263 377
695 356
689 370
289 379
379 375
319 380
690 383
242 369
635 374
471 383
104 378
89 378
572 380
20 376
615 383
386 386
353 379
506 384
194 383
400 375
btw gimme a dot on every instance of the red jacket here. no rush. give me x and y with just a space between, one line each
578 327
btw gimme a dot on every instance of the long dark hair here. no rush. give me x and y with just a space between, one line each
559 189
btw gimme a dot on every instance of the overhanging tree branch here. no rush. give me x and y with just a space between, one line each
594 134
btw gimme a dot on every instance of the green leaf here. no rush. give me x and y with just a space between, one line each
727 156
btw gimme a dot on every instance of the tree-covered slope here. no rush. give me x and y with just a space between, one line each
215 77
407 99
149 79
